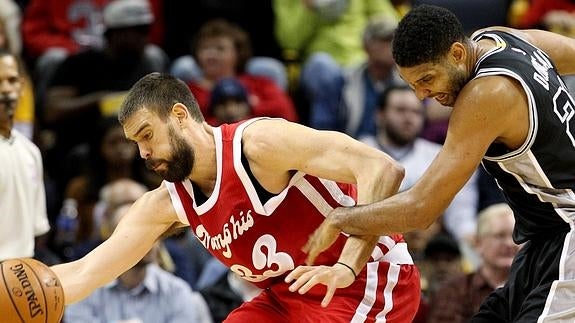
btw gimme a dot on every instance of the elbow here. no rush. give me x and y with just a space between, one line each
398 173
393 172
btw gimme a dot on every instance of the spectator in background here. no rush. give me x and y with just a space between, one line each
23 214
226 293
241 12
91 84
441 261
400 119
554 15
222 50
346 100
459 298
306 27
54 29
229 102
144 294
24 115
11 17
109 157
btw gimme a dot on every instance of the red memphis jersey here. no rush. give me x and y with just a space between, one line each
263 242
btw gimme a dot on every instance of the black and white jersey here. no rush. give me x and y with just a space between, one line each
538 178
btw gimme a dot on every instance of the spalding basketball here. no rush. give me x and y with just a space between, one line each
30 292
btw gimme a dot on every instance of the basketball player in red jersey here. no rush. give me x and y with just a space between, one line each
252 193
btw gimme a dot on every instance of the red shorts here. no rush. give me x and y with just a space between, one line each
382 293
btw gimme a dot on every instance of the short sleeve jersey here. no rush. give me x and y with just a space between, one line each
261 240
537 178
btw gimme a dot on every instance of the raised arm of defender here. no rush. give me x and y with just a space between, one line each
472 128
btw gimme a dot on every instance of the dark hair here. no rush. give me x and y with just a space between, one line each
425 35
384 96
19 64
223 28
158 93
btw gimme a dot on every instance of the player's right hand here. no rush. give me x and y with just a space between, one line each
333 277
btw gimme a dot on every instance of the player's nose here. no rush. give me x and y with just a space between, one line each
145 153
422 93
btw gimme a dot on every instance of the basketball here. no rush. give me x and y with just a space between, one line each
30 292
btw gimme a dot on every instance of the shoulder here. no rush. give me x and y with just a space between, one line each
523 34
492 89
262 135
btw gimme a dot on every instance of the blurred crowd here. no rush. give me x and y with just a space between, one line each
323 63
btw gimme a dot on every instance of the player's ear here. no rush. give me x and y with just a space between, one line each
180 112
458 52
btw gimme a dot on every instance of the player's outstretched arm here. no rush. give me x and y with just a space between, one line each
492 108
335 156
147 219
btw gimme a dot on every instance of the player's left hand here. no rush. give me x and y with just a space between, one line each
306 277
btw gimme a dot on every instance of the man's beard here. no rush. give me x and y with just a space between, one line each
398 138
458 81
181 160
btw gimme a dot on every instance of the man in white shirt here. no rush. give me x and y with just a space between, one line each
400 119
23 213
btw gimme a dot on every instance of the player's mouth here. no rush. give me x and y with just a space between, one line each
153 164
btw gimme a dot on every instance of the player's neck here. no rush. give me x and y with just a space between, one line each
205 170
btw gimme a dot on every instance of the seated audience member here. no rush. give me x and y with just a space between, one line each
144 294
229 102
346 99
400 119
459 298
55 29
226 292
109 157
89 85
304 28
441 260
222 50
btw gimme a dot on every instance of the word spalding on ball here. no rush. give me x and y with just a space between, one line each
30 292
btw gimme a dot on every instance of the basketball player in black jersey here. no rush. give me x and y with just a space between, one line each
511 112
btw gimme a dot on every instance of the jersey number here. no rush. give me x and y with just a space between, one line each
563 108
265 255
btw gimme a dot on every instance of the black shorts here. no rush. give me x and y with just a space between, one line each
541 284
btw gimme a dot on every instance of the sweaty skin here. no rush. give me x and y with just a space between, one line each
472 129
346 160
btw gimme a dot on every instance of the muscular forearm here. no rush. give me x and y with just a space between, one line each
357 251
76 284
392 215
358 248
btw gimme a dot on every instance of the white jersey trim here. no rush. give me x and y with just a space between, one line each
213 198
270 206
533 118
500 46
176 202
